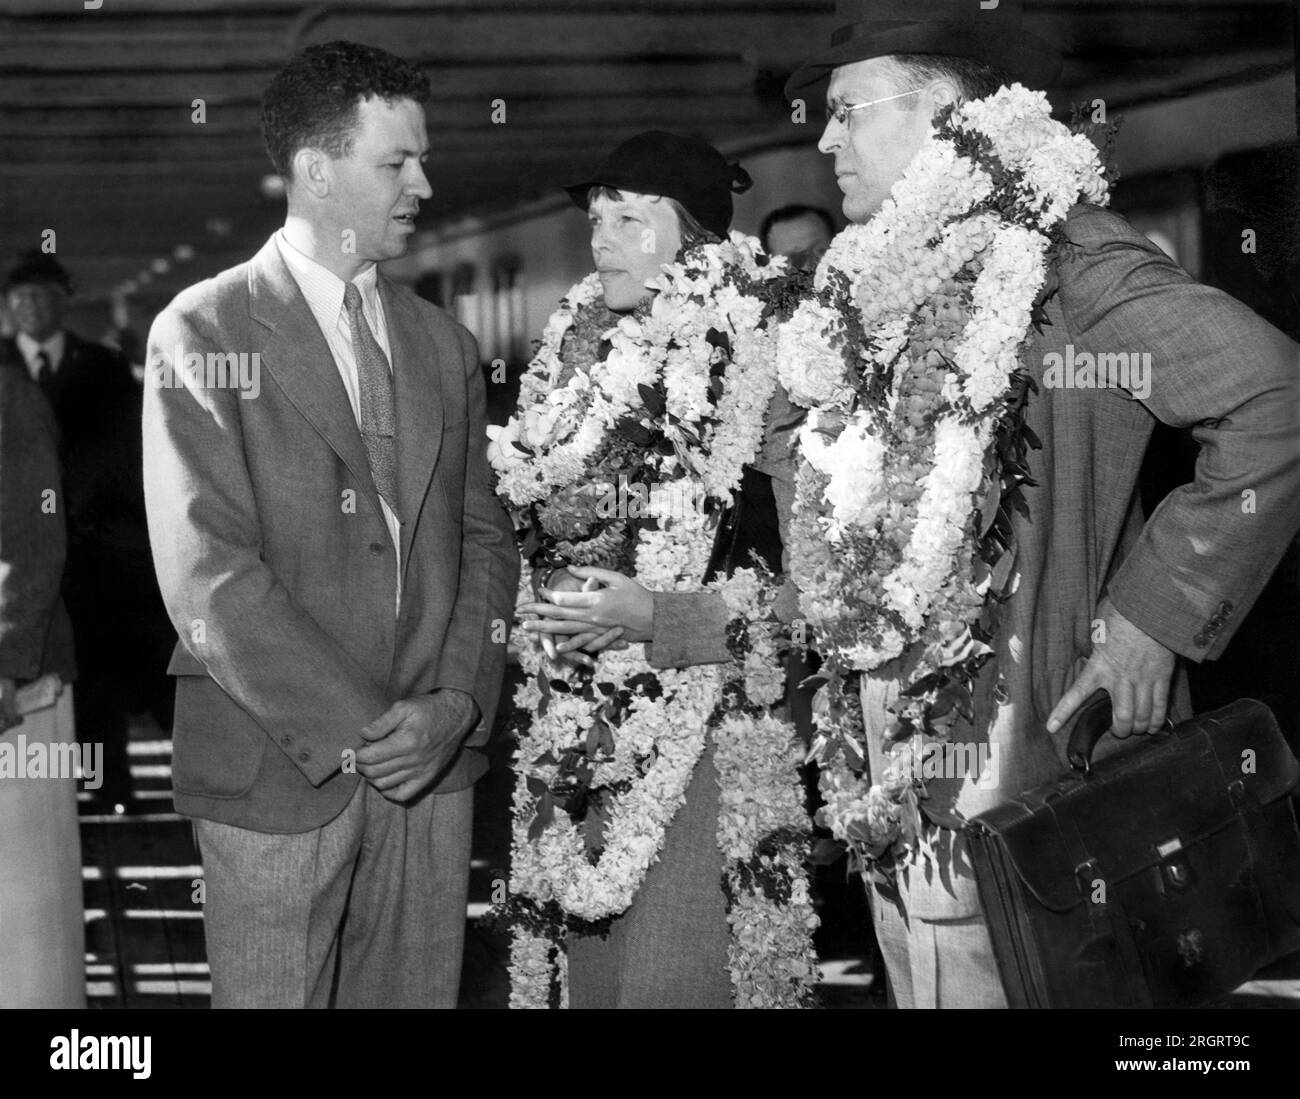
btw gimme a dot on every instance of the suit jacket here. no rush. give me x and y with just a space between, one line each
1186 577
275 562
96 404
35 635
88 374
108 583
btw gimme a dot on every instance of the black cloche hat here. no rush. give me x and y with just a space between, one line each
950 28
687 169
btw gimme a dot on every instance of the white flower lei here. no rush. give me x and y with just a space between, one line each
953 263
645 764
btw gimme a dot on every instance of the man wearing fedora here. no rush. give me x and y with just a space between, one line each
1176 586
117 616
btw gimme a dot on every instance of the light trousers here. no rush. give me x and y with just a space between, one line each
42 921
367 911
934 963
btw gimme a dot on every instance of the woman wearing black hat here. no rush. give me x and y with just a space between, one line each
655 201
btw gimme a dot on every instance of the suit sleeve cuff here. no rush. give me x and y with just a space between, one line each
1192 623
486 707
689 628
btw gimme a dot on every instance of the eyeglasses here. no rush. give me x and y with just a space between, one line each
842 111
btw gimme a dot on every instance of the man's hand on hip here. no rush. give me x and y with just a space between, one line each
1132 667
411 742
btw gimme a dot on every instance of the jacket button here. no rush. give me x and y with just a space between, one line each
1199 639
304 756
376 548
286 740
1225 608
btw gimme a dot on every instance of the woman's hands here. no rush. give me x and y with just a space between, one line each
566 652
589 609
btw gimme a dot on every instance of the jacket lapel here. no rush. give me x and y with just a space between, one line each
303 365
418 387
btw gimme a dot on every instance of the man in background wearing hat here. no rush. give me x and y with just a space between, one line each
1177 586
42 928
108 585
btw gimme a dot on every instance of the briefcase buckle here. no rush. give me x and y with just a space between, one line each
1175 870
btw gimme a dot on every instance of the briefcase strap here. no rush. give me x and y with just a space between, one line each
1111 916
1252 820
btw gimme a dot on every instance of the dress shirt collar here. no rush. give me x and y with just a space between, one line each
53 347
322 288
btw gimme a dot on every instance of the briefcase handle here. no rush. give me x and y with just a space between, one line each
1090 725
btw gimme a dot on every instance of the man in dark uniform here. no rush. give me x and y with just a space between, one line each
121 631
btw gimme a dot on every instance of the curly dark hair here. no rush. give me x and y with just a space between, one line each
313 100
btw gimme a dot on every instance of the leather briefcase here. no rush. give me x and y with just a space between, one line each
1162 877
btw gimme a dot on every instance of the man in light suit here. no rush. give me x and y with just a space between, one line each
336 565
1090 570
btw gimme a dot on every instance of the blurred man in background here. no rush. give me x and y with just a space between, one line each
121 630
800 233
42 940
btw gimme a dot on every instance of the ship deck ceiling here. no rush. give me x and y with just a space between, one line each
96 106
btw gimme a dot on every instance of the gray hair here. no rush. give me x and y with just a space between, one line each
974 79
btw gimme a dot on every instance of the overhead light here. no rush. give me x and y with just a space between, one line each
144 278
272 186
183 253
129 287
160 266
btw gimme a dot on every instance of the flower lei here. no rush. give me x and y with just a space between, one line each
913 453
677 403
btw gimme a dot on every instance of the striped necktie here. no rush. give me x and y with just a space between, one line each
378 411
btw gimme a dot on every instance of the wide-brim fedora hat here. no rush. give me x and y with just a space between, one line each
950 28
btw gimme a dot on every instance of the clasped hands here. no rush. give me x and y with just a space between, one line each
411 743
586 609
